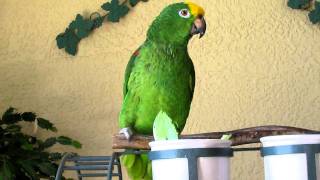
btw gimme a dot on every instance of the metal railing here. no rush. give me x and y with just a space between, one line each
91 166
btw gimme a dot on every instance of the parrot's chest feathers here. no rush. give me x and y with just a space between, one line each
165 73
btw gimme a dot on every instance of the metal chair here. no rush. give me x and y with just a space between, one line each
94 166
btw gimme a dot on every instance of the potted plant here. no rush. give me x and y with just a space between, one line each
24 156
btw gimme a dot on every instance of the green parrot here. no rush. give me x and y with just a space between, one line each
160 78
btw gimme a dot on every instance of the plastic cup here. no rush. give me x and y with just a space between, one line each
292 157
177 160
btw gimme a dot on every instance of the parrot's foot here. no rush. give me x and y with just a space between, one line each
127 132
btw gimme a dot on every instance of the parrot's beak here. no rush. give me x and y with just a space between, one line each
199 26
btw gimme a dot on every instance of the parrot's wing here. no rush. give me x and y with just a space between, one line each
128 71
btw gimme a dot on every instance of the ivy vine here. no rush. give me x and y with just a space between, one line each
313 6
81 27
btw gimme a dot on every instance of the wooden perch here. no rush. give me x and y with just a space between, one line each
239 136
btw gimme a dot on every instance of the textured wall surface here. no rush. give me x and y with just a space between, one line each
258 64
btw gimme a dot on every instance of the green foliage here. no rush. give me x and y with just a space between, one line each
312 5
45 124
69 41
298 4
116 10
226 137
314 15
163 128
81 27
133 2
23 156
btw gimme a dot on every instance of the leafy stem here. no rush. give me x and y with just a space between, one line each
313 6
23 156
82 27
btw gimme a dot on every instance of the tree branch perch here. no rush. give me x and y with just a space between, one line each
239 136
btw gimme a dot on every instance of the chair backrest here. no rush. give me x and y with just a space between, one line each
91 166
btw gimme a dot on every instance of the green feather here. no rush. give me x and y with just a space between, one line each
128 160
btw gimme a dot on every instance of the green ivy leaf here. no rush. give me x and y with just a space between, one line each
28 116
69 41
116 10
81 26
97 22
45 124
298 4
133 2
314 15
61 40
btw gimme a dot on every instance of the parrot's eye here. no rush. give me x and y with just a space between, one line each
184 13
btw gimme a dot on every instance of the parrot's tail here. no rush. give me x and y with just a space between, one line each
138 166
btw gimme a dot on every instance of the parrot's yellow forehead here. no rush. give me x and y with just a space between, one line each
195 9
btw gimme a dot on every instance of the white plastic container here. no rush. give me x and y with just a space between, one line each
208 168
291 157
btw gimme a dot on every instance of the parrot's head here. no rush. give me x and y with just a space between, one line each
177 23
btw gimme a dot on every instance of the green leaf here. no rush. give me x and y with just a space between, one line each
45 124
133 2
61 41
9 111
97 22
47 168
28 168
28 116
76 144
48 143
13 128
163 128
10 117
69 41
27 146
116 10
6 170
226 137
68 141
64 140
82 27
55 156
314 15
298 4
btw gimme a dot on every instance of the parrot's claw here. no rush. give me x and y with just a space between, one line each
127 132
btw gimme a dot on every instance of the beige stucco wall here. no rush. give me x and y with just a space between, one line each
258 64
